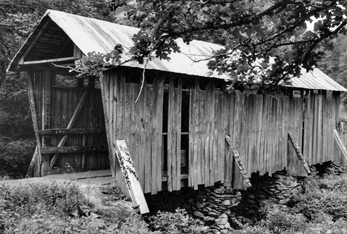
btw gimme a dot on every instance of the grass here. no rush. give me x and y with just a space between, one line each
62 208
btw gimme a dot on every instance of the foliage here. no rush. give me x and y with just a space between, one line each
256 34
15 156
313 204
321 209
50 208
178 222
281 220
112 194
334 63
95 62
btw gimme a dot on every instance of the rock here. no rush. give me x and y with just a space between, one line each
213 206
200 205
207 209
199 215
226 203
209 219
213 214
220 190
229 190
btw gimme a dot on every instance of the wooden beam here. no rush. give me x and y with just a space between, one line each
32 164
74 131
35 124
34 41
130 175
238 162
74 149
46 109
49 60
299 154
340 144
71 123
104 84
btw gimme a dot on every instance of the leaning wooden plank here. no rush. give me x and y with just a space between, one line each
340 144
34 117
299 154
130 175
71 123
238 162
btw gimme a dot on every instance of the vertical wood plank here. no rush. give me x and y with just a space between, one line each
207 132
228 123
46 108
319 127
171 166
149 137
159 92
192 141
178 109
153 134
239 103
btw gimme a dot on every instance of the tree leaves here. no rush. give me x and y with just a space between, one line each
258 29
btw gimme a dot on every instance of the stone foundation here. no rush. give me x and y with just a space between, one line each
222 208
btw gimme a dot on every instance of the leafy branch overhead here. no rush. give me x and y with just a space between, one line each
265 41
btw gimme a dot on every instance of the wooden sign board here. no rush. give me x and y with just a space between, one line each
130 176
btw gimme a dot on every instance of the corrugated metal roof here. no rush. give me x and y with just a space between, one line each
316 79
96 35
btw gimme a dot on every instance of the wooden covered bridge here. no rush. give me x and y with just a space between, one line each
176 132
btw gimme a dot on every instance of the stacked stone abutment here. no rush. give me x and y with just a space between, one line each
222 208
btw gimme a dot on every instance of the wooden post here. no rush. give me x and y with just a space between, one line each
37 155
340 144
105 86
130 175
238 162
299 154
32 164
46 106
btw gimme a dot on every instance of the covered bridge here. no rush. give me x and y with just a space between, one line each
176 132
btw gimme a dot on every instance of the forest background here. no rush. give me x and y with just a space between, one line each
17 20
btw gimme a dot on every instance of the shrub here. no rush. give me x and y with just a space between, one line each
15 156
174 223
58 197
279 219
315 203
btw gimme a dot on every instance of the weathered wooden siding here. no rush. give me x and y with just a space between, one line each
140 124
257 124
54 107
